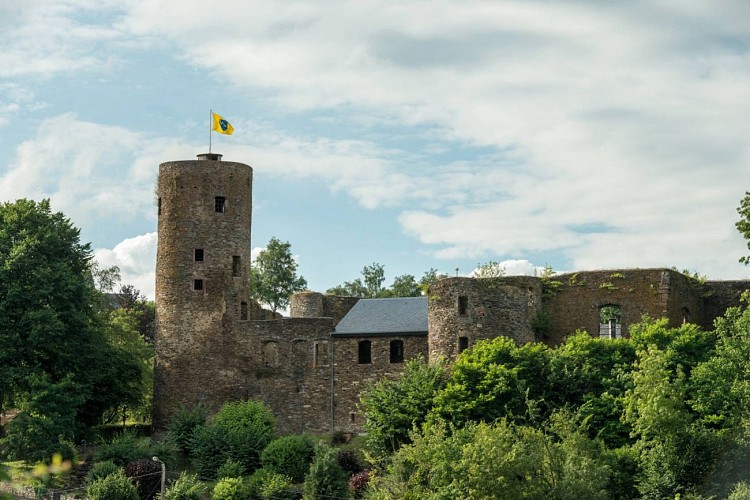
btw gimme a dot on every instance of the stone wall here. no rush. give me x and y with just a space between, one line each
316 305
351 377
478 309
720 295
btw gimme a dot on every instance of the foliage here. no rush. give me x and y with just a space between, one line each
146 474
186 487
230 468
393 407
277 487
491 269
358 483
101 470
229 488
116 486
240 431
325 479
349 462
183 425
51 329
289 455
273 275
370 285
743 225
128 446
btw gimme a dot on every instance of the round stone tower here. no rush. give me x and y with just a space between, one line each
202 265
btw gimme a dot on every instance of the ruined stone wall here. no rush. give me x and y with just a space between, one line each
351 377
316 305
285 363
194 322
478 309
656 292
721 295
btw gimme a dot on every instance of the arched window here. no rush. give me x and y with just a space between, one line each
685 315
610 322
243 311
364 349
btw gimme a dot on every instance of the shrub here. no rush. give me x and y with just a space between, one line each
326 479
186 487
209 450
230 468
229 488
147 475
113 487
277 487
128 446
349 462
35 439
358 483
183 425
289 455
101 470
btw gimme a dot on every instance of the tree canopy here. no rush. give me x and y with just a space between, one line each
273 275
743 225
370 285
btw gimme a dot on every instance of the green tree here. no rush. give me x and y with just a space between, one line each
370 284
393 407
326 479
743 225
53 339
491 269
273 275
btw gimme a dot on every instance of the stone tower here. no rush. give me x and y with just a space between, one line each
202 265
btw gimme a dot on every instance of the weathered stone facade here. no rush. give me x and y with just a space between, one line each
214 344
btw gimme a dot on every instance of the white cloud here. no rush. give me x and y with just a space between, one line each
136 258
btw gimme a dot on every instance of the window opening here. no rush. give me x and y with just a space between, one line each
463 344
352 416
610 322
397 351
236 265
243 311
198 255
365 352
197 284
158 206
320 354
463 304
220 204
685 315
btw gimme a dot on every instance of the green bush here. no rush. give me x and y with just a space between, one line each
113 487
186 487
277 487
326 479
184 423
289 455
101 470
208 451
35 439
230 468
229 488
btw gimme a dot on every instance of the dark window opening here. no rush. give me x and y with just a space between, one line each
365 352
610 322
685 315
397 351
320 354
198 254
463 303
220 204
463 344
235 265
352 416
158 206
198 284
243 311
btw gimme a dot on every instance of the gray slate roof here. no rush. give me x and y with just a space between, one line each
372 317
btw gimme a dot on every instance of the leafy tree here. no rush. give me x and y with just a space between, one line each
273 275
370 285
743 225
403 286
393 407
51 332
326 479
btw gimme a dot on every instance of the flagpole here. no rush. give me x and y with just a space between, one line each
210 119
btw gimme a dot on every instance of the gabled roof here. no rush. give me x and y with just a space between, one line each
372 317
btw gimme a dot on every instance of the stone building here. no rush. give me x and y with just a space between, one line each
214 344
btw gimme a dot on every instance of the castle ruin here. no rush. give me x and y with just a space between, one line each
214 344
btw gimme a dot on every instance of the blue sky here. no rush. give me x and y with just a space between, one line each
418 134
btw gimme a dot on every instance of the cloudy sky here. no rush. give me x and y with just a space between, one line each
417 134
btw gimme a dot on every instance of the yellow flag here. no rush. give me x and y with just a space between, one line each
221 126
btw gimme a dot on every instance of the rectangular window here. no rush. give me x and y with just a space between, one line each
236 271
158 204
197 284
220 204
463 304
365 352
320 354
463 344
198 255
243 311
397 351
